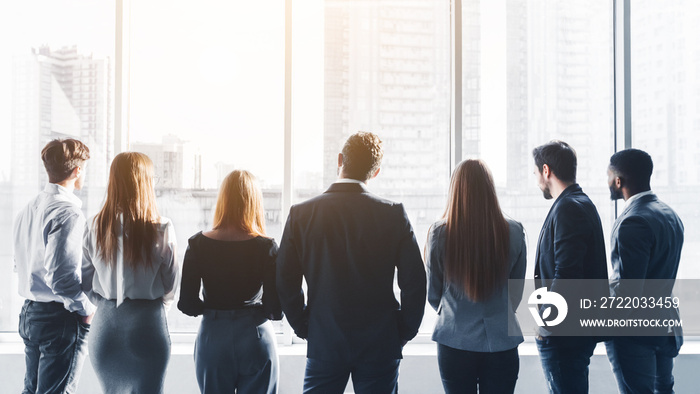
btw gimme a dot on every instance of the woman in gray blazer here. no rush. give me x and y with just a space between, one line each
471 253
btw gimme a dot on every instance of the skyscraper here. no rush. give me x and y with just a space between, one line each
55 94
60 94
387 71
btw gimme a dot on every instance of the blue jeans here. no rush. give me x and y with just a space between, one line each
369 376
54 341
461 370
565 363
642 368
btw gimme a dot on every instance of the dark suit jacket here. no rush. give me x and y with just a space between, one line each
571 246
571 243
646 244
347 244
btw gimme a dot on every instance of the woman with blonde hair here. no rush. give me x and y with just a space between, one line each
471 254
235 263
130 271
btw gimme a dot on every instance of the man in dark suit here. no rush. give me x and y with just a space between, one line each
347 243
570 246
647 239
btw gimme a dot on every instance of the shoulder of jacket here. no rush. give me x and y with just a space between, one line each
514 224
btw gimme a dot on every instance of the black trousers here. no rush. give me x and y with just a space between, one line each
463 371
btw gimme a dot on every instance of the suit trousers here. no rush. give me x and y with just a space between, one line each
641 368
565 363
235 351
54 341
368 376
493 372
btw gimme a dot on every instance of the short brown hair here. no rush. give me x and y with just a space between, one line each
362 155
62 156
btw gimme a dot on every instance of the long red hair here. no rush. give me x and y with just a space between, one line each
477 242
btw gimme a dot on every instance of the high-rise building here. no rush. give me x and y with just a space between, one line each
60 94
175 165
665 74
55 94
387 71
666 89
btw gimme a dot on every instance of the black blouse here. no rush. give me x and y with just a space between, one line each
235 275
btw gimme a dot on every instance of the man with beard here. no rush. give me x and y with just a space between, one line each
570 246
647 239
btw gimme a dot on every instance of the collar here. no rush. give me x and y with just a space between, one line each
637 197
348 180
355 187
573 188
54 189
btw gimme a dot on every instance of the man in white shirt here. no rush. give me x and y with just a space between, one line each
48 235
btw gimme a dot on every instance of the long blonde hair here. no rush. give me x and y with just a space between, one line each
240 204
477 236
130 194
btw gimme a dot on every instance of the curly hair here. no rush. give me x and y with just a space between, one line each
62 156
362 155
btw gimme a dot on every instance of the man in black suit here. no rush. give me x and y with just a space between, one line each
647 239
347 243
570 246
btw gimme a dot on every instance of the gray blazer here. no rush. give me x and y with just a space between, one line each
474 326
647 239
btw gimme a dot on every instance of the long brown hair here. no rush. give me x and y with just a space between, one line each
477 242
240 204
130 194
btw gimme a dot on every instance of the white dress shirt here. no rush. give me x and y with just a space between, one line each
143 283
634 198
348 180
48 236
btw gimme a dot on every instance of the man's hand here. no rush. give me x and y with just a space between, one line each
86 319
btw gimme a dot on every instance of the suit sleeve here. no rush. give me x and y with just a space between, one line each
434 260
289 279
411 281
515 293
634 241
270 298
571 234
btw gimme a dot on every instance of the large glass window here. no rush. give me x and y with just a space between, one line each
55 81
383 67
207 96
534 71
665 73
